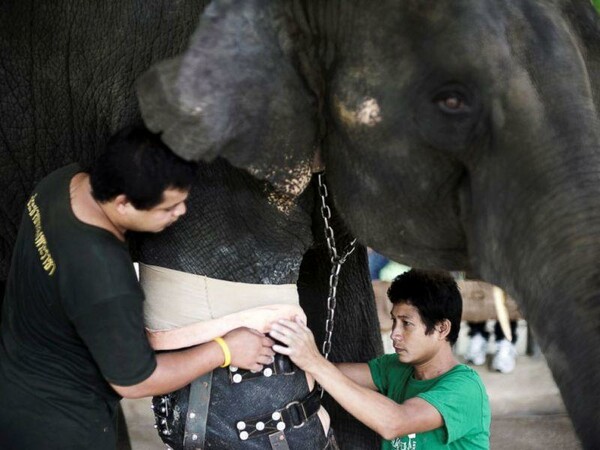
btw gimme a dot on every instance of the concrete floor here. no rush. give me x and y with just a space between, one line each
527 411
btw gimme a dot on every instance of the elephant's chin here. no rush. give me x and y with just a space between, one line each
441 246
410 248
428 258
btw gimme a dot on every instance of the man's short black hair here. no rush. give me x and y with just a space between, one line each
139 165
434 294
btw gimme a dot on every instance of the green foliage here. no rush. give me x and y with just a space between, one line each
596 3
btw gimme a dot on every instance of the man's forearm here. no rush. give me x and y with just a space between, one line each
258 318
175 370
381 414
194 334
357 372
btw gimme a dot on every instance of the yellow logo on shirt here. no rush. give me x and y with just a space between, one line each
40 238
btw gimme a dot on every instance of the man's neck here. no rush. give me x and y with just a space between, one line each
88 210
438 365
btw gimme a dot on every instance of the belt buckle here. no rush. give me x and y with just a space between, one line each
299 410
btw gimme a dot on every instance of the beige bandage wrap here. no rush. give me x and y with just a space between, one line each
176 299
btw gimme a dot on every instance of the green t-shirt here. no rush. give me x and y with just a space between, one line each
72 322
458 395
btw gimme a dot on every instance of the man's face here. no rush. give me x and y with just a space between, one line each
411 343
160 216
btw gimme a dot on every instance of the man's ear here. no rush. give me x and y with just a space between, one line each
122 203
245 90
443 328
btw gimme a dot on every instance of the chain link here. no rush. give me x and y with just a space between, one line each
336 264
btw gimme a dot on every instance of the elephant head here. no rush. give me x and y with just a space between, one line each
461 134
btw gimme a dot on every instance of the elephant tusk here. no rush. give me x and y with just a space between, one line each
317 165
502 311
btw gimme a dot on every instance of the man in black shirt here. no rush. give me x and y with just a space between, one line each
72 339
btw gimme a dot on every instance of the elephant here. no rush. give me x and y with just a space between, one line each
456 134
239 227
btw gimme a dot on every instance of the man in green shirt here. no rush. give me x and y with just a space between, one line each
420 397
72 339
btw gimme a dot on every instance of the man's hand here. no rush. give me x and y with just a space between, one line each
261 317
299 343
249 349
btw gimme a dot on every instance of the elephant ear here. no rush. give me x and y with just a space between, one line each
241 91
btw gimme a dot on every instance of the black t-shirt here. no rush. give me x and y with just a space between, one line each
72 320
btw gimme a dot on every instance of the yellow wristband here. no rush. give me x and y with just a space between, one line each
225 349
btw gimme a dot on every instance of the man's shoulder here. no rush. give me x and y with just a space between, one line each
60 174
388 359
460 385
69 169
92 278
464 376
389 363
52 190
99 254
464 372
95 262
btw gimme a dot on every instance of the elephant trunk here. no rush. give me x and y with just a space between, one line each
546 254
566 323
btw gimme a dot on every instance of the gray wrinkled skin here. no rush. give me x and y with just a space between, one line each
459 134
232 231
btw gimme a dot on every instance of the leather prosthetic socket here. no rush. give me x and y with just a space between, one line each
238 413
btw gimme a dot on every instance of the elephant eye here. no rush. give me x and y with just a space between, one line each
451 103
448 113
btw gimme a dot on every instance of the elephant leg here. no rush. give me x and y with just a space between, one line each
2 286
356 336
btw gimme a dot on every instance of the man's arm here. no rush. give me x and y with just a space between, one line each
357 372
386 417
259 318
249 350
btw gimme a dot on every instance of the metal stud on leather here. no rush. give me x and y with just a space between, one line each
294 415
281 365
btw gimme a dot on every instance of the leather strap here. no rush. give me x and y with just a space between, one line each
197 413
281 365
294 415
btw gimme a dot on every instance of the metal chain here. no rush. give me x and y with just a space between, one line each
336 264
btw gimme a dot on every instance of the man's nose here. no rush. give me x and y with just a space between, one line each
180 210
